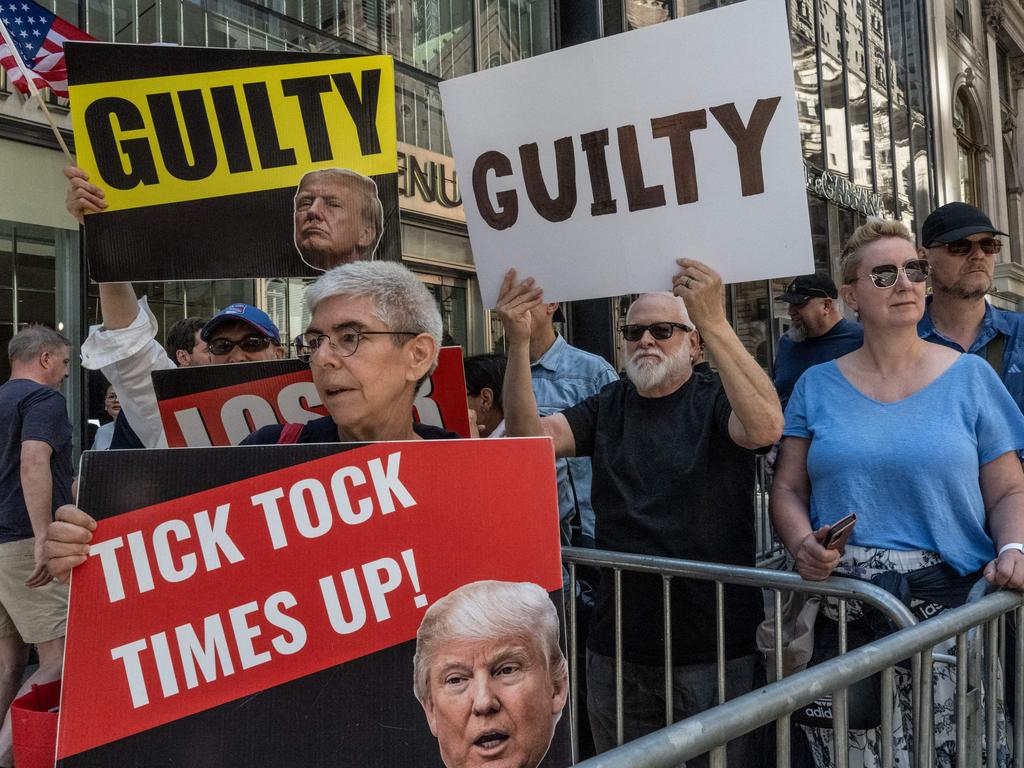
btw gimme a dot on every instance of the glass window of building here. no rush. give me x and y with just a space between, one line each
435 36
511 30
28 283
452 297
805 75
644 13
967 149
833 88
962 16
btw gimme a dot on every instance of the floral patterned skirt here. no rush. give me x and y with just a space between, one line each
865 745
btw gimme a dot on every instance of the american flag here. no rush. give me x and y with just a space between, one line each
39 39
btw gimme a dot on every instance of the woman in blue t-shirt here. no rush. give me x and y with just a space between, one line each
918 440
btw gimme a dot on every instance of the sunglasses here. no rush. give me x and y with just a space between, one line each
247 344
963 247
660 331
886 275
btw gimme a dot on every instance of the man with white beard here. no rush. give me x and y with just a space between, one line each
673 476
817 333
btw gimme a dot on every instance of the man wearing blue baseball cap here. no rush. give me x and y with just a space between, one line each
961 245
125 349
242 333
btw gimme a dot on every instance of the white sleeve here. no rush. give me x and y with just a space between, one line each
127 357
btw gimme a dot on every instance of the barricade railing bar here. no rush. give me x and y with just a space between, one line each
711 730
614 563
976 637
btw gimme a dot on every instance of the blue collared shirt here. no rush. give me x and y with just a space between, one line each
562 377
1010 324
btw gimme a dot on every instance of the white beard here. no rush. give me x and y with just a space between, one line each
648 375
797 333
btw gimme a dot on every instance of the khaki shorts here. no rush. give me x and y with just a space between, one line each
39 614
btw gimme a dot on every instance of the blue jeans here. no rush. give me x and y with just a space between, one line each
695 689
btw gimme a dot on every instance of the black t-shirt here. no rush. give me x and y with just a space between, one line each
669 481
124 436
324 430
31 411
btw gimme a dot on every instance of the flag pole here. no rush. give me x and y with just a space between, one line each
28 74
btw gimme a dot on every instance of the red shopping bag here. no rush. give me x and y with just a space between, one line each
34 725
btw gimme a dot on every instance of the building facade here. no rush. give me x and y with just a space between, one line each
977 47
863 75
861 78
41 274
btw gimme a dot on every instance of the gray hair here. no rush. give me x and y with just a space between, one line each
402 302
371 211
678 300
30 342
488 610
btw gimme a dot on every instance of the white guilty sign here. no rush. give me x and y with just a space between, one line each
593 168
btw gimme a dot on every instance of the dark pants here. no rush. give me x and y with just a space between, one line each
695 689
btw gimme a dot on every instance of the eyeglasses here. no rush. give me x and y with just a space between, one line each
247 344
963 247
660 331
344 343
886 275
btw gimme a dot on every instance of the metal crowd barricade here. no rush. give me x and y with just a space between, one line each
979 628
712 729
614 563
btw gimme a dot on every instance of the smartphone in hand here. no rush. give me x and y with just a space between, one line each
840 532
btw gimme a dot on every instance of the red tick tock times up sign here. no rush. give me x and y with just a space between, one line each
263 601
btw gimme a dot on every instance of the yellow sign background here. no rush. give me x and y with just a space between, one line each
287 119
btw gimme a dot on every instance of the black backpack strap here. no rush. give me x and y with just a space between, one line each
994 353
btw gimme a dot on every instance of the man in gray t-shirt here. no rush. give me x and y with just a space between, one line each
35 478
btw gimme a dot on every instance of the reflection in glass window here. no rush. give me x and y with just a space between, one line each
879 74
805 75
419 116
832 89
452 300
435 36
691 7
752 321
922 183
818 210
860 130
511 30
435 245
644 13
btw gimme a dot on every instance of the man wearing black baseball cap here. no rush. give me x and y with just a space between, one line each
961 244
818 332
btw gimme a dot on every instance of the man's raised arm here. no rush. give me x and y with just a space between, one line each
522 419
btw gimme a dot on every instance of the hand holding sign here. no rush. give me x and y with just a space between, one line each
700 288
515 301
67 541
82 196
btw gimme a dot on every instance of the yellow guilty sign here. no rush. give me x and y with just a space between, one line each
184 137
